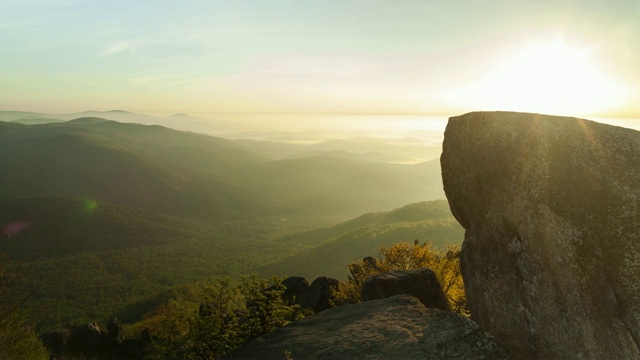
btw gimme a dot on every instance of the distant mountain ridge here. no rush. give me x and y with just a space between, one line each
165 170
82 158
280 144
182 122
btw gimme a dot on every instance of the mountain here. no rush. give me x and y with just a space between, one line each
73 159
189 174
333 185
16 115
187 122
181 122
37 121
87 260
75 225
394 147
328 251
405 150
371 156
104 214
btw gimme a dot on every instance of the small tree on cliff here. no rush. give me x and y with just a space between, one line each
407 256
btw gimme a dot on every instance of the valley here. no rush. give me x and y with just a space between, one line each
104 214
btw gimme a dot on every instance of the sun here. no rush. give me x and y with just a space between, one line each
552 78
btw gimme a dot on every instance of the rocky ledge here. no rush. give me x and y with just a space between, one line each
398 327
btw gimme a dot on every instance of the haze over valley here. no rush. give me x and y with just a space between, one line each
139 208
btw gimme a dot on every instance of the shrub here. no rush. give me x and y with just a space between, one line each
406 256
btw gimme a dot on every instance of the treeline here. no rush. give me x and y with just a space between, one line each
210 320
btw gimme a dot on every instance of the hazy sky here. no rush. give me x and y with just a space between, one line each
397 56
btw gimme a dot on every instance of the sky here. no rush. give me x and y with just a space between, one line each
349 56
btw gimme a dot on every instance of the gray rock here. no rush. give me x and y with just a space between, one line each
551 208
295 288
399 327
318 297
421 283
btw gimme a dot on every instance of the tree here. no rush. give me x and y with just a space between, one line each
405 256
18 339
230 315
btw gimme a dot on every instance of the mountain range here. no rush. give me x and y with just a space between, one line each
104 214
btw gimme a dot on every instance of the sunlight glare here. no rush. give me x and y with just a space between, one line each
551 78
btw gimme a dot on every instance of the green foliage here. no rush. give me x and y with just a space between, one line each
89 263
324 252
406 256
230 315
18 339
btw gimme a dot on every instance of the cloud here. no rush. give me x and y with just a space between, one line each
171 82
118 48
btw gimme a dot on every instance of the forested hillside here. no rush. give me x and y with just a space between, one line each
105 214
325 252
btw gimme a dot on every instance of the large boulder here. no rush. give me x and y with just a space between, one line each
295 288
421 283
319 295
551 208
399 327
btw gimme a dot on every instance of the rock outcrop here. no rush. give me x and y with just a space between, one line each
295 288
399 327
551 208
421 283
317 296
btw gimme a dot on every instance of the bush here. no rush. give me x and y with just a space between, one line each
406 256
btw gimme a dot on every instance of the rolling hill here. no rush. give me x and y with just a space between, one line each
195 175
85 259
328 251
54 160
104 214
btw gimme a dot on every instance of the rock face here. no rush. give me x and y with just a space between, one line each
295 287
399 327
551 257
421 283
318 297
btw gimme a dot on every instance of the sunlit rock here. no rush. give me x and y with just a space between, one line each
551 257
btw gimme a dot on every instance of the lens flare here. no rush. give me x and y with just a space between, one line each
12 229
90 206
